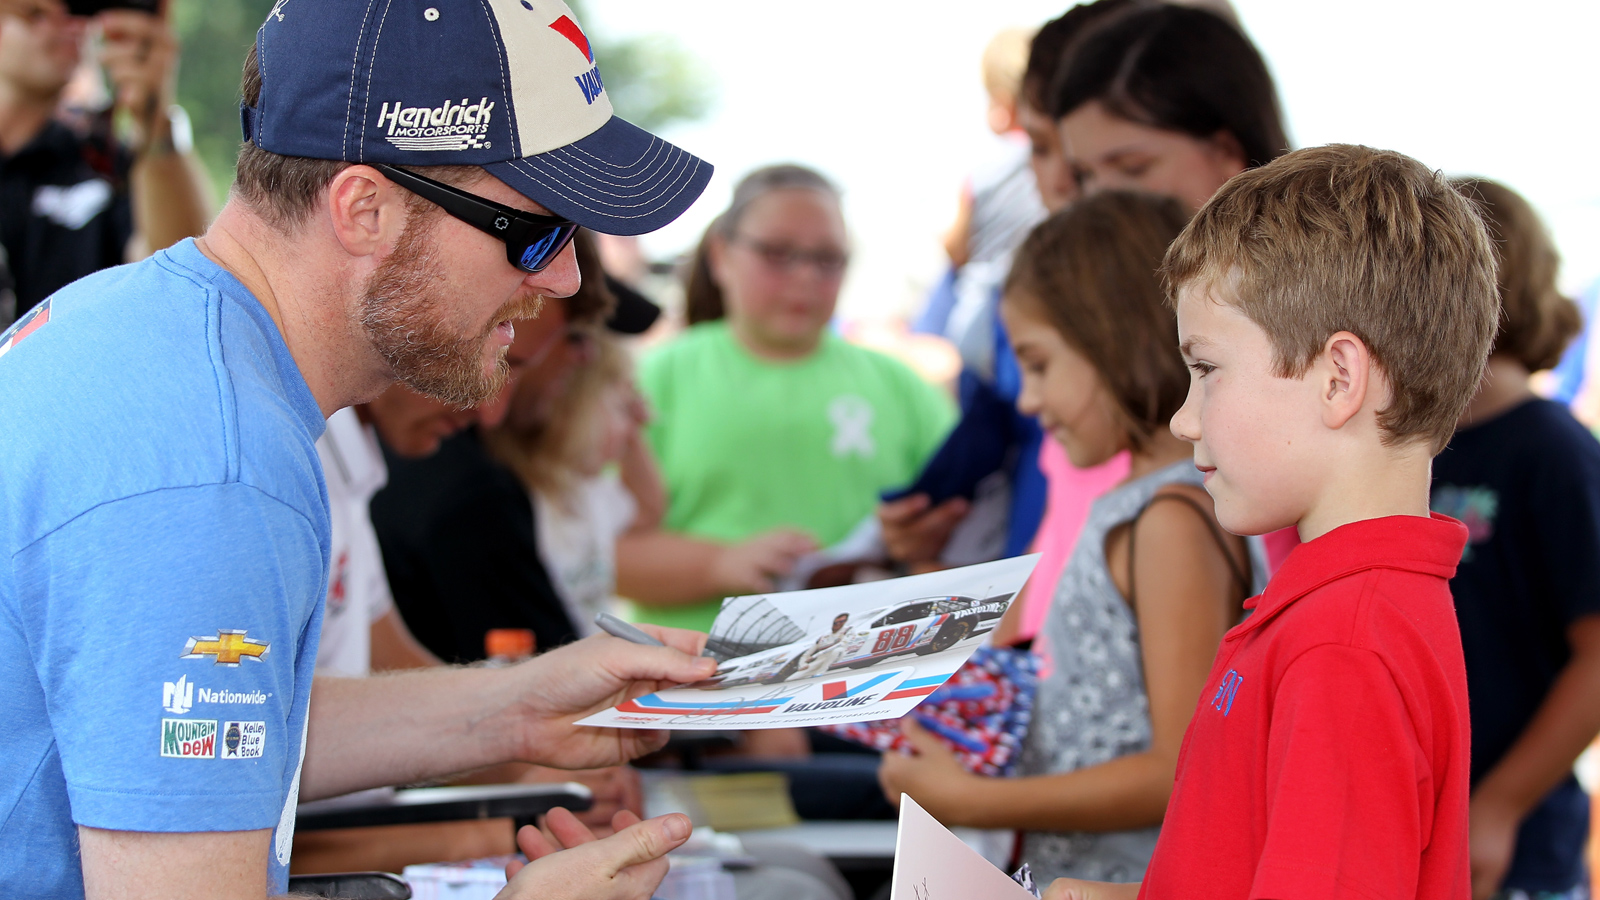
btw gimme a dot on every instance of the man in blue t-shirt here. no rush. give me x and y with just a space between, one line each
163 517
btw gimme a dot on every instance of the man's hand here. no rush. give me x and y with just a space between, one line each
1493 830
1075 889
751 567
939 782
556 689
571 863
140 57
915 533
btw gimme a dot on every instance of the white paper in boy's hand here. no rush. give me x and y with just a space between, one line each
930 863
856 653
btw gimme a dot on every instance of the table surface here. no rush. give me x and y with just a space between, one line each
838 840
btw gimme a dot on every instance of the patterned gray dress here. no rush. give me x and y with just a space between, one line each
1091 705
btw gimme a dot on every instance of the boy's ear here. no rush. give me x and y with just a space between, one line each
1344 375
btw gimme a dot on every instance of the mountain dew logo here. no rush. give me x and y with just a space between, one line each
189 738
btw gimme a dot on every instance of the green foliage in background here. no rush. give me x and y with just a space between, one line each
652 80
215 35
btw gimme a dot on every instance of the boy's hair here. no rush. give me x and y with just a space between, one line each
1347 238
1179 69
1091 271
1005 58
1536 321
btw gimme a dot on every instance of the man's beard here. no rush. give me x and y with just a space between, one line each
404 318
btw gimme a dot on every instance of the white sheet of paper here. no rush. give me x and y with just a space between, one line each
930 863
788 660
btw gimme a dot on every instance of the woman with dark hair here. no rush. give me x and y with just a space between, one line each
766 419
1168 99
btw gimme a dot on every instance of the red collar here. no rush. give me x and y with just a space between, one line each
1429 546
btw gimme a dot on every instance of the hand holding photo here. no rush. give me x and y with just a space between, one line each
856 653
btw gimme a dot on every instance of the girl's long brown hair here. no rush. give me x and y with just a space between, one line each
1091 271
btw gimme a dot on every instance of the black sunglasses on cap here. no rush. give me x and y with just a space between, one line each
532 242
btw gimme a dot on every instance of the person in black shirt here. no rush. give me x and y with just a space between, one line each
73 200
458 543
1524 477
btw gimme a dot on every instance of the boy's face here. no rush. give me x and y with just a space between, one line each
1255 433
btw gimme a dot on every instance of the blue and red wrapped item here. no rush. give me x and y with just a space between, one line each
982 712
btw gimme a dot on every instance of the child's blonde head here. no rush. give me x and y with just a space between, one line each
1347 238
553 452
1005 58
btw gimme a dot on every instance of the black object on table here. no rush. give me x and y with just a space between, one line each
522 803
352 886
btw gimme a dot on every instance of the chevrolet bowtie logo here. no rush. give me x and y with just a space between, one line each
227 646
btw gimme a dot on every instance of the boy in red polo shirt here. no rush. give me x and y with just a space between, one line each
1336 307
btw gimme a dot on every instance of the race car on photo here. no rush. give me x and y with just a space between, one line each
922 626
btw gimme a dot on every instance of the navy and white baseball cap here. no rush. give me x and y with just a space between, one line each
509 85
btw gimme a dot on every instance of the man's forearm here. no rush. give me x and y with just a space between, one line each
405 727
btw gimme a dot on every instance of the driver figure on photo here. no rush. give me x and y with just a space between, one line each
828 650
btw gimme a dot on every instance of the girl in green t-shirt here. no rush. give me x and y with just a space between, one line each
765 419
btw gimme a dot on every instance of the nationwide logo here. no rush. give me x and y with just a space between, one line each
208 695
177 697
452 126
227 645
244 740
589 82
189 738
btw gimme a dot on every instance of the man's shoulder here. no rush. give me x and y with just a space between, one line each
139 378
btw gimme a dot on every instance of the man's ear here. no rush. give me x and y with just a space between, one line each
1344 375
366 210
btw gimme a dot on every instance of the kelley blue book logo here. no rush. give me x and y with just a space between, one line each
1222 701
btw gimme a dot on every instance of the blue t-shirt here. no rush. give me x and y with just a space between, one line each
1527 486
164 546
